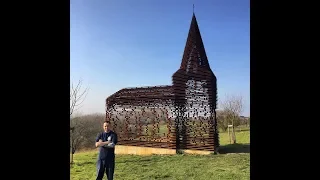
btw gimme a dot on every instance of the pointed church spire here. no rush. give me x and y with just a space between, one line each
194 56
193 9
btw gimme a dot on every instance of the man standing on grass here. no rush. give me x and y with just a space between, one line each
106 142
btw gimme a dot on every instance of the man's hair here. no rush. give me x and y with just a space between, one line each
107 121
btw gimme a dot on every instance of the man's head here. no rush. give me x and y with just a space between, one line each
106 125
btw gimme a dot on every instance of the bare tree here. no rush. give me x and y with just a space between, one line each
93 125
222 120
77 96
77 130
83 131
233 107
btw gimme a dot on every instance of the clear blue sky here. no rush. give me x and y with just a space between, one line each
128 43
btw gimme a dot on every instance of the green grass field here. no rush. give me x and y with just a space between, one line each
232 163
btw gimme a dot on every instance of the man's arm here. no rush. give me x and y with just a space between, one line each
99 142
113 142
115 139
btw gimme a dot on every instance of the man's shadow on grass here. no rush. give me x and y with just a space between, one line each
234 148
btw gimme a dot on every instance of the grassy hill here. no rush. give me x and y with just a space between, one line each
232 163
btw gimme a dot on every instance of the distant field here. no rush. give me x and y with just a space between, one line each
232 163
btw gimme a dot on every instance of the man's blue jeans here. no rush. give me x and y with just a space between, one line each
105 165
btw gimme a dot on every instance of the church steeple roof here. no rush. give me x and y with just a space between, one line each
194 56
